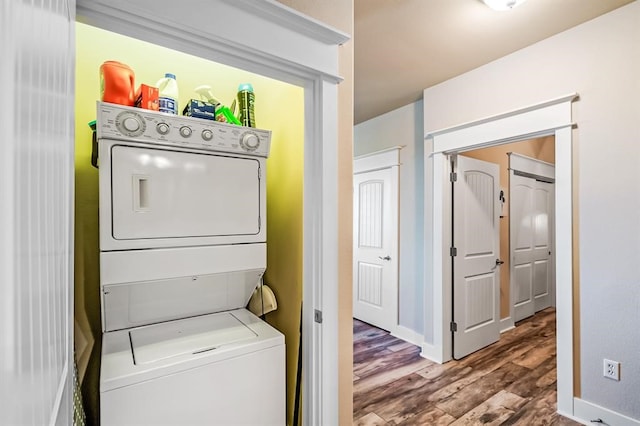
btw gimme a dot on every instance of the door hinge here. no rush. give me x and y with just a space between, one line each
453 252
453 176
317 316
259 173
453 326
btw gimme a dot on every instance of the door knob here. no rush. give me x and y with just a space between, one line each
499 262
387 257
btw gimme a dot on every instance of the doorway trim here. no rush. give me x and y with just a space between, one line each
307 57
552 117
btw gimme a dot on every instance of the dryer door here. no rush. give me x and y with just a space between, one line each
162 197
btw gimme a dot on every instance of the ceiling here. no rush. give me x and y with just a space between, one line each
402 47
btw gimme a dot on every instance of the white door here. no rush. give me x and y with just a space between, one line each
375 260
476 272
531 245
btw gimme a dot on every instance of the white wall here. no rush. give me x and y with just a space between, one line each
403 127
601 61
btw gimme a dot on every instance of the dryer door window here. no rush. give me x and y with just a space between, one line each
159 194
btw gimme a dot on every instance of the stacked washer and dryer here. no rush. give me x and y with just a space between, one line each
182 248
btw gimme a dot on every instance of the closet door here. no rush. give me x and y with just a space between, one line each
531 244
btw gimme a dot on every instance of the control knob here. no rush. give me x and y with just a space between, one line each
249 141
185 131
162 128
130 123
207 134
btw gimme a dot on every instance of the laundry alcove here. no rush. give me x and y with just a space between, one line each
270 40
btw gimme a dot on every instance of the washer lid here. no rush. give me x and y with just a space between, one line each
192 335
154 301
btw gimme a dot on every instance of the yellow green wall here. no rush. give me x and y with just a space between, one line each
279 107
541 149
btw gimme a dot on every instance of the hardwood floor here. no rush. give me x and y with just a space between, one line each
512 382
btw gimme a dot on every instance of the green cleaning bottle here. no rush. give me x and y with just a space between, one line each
246 99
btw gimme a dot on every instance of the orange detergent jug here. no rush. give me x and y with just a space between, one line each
117 83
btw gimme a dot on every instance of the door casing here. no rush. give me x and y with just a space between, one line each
551 117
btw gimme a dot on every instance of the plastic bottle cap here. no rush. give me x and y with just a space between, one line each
169 75
245 86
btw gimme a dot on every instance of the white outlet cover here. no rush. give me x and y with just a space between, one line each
611 369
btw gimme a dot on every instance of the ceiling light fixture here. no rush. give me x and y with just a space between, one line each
503 4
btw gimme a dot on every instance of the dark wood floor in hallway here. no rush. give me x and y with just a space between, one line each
512 382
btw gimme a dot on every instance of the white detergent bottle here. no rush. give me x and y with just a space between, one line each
168 94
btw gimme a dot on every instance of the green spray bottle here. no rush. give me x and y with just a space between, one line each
223 113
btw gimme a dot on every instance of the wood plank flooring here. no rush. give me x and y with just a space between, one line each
512 382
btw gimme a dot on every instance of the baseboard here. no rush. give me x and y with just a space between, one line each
431 353
585 412
506 324
408 335
574 418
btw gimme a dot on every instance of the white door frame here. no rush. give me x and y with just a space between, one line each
386 159
547 118
307 57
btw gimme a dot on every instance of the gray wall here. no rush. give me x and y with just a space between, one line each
403 127
601 61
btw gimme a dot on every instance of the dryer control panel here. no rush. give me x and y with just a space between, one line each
120 122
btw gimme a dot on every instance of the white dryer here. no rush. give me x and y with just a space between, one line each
182 247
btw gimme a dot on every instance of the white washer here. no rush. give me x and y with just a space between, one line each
182 247
217 369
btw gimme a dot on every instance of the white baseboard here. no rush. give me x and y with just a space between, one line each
585 412
574 418
431 353
408 335
506 324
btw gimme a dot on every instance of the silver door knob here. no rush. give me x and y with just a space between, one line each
387 257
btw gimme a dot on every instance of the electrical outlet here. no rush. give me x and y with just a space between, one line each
611 369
